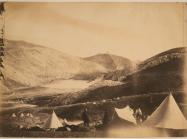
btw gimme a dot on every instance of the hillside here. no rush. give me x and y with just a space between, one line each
159 78
163 75
163 57
111 62
117 75
118 66
28 65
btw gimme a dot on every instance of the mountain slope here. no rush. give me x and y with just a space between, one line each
118 66
111 62
28 64
163 57
160 76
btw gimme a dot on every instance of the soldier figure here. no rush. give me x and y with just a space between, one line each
85 117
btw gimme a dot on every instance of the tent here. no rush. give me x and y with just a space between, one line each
21 126
22 115
13 115
53 122
168 115
74 122
65 121
126 114
103 100
30 115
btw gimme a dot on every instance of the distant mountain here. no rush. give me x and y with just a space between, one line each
118 66
28 64
111 62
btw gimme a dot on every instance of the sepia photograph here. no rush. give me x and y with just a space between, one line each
93 69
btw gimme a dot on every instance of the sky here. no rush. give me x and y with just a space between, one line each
133 30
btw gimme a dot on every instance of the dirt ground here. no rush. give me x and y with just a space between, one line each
111 132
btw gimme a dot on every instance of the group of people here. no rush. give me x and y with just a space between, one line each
138 115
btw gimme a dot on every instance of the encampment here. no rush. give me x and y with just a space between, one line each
167 115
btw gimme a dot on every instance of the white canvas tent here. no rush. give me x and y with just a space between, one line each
126 114
22 115
53 122
21 126
30 115
74 122
167 115
13 115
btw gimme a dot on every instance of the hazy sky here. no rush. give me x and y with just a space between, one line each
136 31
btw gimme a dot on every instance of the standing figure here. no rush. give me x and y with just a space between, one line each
85 118
106 119
138 115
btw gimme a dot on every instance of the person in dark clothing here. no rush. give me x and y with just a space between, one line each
2 8
85 117
106 118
